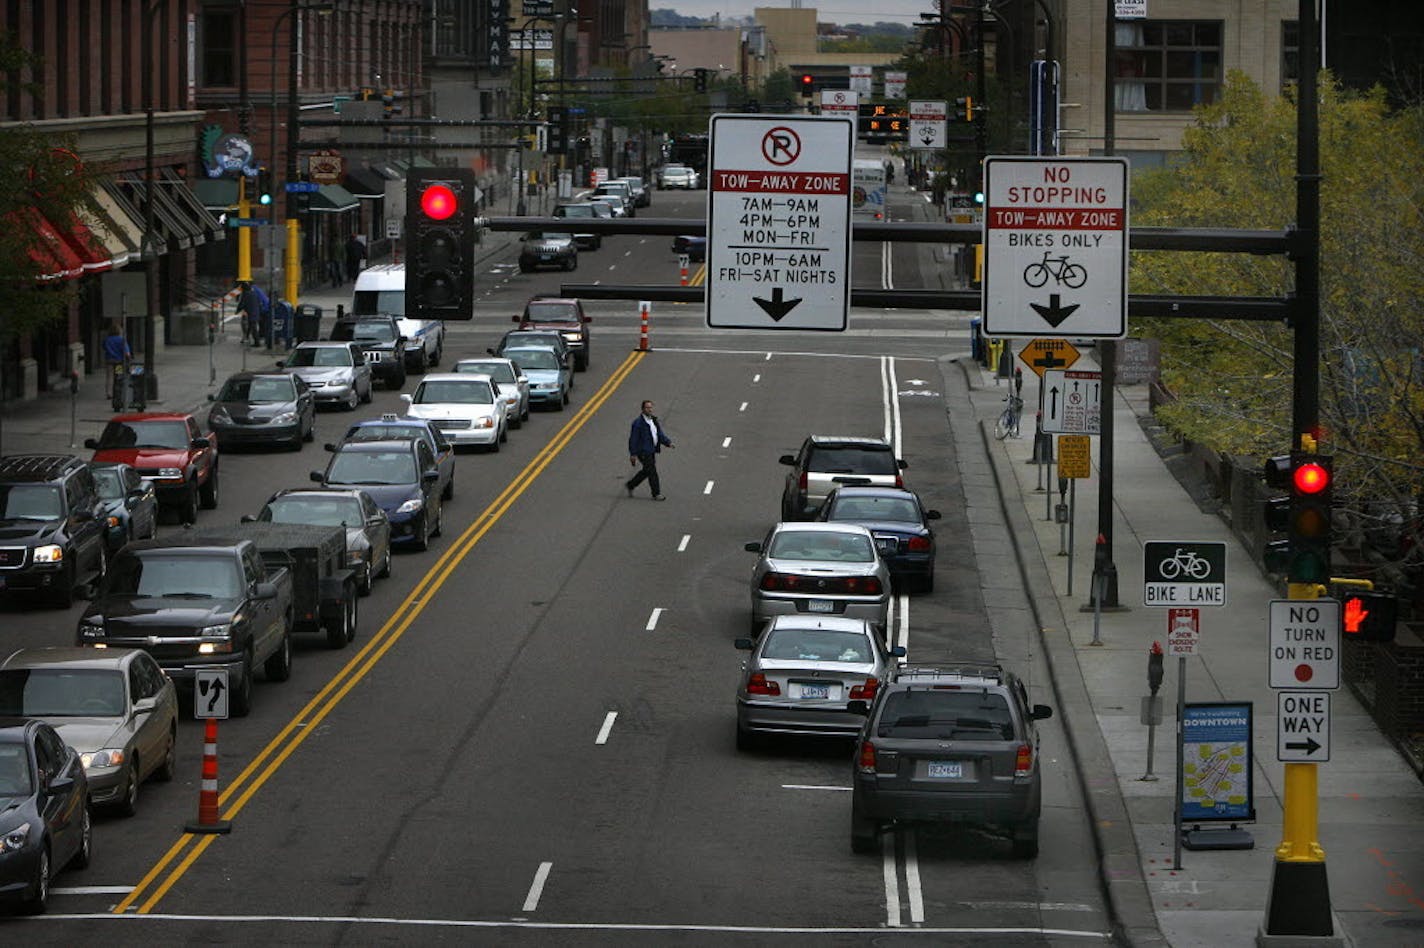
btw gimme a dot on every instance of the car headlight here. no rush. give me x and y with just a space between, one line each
114 521
49 553
221 632
285 418
15 840
484 423
170 472
356 555
411 506
105 759
573 336
219 416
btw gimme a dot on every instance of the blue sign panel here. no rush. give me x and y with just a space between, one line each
302 187
1217 763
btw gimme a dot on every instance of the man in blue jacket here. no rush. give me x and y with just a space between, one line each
645 440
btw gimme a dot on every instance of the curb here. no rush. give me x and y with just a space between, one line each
1119 863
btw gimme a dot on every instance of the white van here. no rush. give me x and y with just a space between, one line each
381 289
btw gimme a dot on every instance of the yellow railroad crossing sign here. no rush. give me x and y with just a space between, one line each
1044 354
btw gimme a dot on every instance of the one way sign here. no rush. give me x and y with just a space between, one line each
1303 726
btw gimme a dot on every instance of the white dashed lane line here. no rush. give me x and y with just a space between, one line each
708 488
602 737
653 619
682 546
743 408
727 441
531 901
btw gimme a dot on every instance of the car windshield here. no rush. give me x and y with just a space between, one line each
61 692
817 645
367 330
145 434
573 210
30 502
378 432
885 509
372 467
323 356
321 510
962 715
499 371
15 779
370 302
541 312
258 391
109 482
549 235
454 392
851 460
180 577
534 359
821 545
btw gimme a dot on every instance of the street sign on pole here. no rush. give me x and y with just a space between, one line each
1055 247
210 693
778 222
1184 573
927 124
1072 402
1075 456
1305 644
1044 354
1183 631
1303 726
840 102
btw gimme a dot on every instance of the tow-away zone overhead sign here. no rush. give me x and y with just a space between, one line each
778 222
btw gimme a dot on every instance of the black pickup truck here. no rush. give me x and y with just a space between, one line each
198 603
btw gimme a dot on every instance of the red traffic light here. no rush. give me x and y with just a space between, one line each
438 202
1311 478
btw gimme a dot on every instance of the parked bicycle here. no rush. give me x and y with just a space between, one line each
1068 274
1008 423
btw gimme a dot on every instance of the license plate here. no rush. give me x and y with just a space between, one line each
945 769
815 691
820 605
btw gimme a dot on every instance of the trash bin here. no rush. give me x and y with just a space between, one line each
308 327
976 341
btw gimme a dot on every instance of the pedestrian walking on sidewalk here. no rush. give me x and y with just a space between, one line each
646 439
116 353
355 253
253 304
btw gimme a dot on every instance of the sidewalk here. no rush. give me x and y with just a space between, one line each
1371 804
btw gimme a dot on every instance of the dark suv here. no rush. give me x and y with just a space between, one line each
949 744
381 342
825 462
52 526
563 316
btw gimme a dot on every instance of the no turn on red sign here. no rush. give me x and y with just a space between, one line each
1055 247
778 222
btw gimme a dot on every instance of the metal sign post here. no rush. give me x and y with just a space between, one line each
1074 462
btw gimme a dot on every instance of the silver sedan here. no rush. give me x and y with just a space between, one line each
830 569
368 530
803 672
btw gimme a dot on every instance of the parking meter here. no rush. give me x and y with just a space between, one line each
1154 667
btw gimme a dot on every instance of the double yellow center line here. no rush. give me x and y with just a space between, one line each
190 846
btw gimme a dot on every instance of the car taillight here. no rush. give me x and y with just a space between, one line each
865 692
919 544
758 685
866 763
1023 761
861 585
899 481
801 482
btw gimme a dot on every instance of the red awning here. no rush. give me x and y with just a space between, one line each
85 243
47 249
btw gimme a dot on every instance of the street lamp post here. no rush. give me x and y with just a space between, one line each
150 250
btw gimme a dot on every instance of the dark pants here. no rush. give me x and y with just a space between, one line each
649 473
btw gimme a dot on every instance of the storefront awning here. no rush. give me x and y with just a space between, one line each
179 219
101 221
216 194
181 191
333 199
86 246
54 259
365 182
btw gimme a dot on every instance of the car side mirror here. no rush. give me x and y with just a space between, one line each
406 397
328 446
516 319
316 476
931 514
212 397
200 443
281 363
60 785
491 352
899 651
788 459
144 705
247 518
858 706
266 591
91 443
903 464
587 319
752 547
430 477
745 644
1042 711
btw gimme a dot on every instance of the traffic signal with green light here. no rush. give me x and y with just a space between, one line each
264 186
440 243
1304 515
1368 616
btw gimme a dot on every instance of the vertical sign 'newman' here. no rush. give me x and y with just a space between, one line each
1055 247
778 222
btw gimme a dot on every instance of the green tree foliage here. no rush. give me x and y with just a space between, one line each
1234 378
37 173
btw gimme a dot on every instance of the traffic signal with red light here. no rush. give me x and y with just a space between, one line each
1304 515
440 230
1368 616
808 85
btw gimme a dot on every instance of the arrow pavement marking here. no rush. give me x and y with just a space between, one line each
1055 312
1309 745
777 307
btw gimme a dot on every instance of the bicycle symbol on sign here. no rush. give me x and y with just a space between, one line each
1069 274
1185 562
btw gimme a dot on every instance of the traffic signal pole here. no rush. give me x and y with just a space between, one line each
1299 902
244 234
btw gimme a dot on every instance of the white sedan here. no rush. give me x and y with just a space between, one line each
466 408
513 384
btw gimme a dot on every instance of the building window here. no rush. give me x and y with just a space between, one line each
1167 65
218 48
1290 53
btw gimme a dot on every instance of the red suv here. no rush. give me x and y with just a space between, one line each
171 451
564 316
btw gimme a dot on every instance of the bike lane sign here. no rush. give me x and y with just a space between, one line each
1055 247
1181 573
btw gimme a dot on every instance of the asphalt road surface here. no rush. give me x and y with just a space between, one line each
532 739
